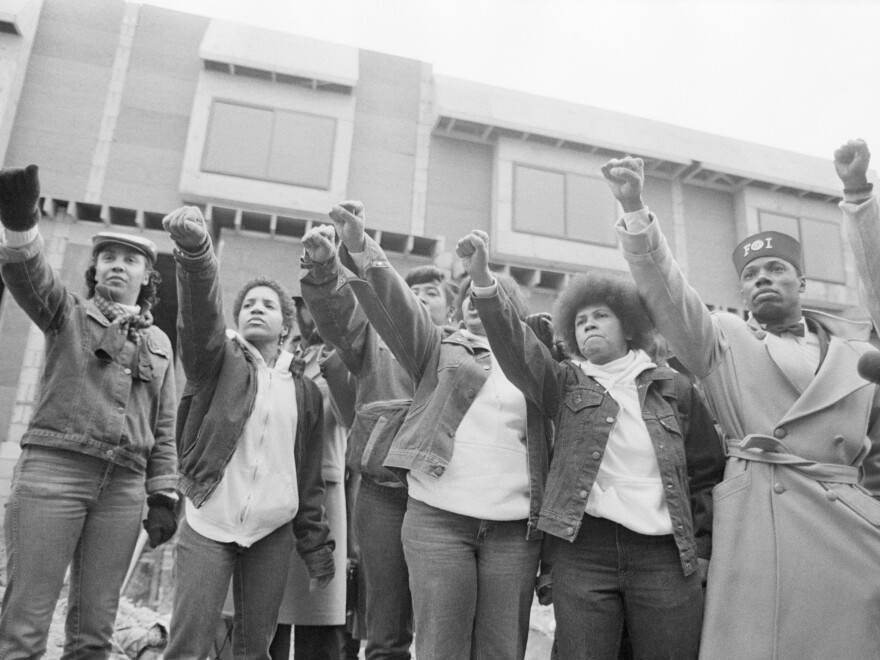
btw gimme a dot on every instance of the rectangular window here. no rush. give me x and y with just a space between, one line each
820 240
563 204
269 144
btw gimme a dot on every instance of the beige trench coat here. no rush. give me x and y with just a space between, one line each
795 569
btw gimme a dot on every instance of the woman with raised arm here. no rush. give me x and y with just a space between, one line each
635 455
474 454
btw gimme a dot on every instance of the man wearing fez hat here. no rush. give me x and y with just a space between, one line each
100 439
796 531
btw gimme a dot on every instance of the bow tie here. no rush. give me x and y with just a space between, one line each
796 329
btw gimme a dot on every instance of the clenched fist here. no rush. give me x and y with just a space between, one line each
187 227
19 194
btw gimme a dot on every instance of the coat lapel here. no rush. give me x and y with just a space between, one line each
837 379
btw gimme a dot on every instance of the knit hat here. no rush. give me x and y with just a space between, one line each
768 244
143 245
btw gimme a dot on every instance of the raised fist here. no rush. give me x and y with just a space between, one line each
350 219
851 163
19 194
187 227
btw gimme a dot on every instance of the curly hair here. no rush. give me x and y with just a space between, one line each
149 291
507 284
618 293
288 311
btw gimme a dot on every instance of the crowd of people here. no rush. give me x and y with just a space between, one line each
398 459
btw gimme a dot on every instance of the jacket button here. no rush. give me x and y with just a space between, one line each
584 494
127 371
439 471
832 495
597 455
780 433
569 531
838 439
778 487
109 452
670 486
472 393
120 409
577 399
610 420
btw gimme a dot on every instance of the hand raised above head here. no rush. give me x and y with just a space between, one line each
187 227
318 243
626 178
473 250
19 195
851 163
350 219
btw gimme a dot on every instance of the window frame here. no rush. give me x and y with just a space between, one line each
328 184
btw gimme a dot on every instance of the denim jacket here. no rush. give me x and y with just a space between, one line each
219 398
449 372
688 450
384 388
89 402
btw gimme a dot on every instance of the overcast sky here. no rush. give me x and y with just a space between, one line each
800 75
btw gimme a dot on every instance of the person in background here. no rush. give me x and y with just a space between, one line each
634 452
318 618
474 454
384 392
102 432
795 527
249 436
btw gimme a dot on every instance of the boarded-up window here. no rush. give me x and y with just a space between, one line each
274 145
562 204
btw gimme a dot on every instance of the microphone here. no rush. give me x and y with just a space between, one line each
869 367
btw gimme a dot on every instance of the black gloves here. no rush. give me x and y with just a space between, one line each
19 195
161 522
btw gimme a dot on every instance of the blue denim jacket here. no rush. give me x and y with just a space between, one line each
89 402
219 398
384 388
688 450
448 370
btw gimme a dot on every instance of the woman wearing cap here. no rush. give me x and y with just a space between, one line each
474 454
635 458
250 455
102 430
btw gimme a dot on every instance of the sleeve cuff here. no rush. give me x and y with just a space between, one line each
485 291
637 220
17 239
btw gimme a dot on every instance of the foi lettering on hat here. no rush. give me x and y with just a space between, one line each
768 244
143 245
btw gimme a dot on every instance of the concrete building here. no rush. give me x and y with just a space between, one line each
132 110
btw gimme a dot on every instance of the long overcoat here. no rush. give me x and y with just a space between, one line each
795 569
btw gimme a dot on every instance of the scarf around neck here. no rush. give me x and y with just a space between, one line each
126 324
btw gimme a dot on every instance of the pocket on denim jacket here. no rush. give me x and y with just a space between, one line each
379 423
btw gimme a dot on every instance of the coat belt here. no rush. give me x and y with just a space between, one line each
767 449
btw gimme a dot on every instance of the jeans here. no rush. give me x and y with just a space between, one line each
67 508
203 569
611 574
472 582
378 516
